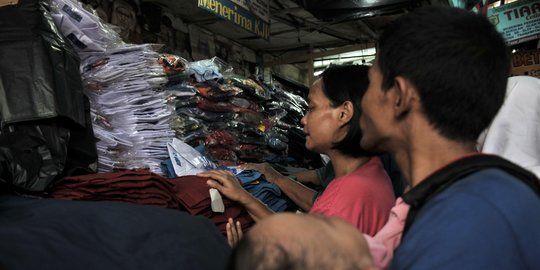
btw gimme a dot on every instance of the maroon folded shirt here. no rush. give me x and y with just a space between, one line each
137 186
195 197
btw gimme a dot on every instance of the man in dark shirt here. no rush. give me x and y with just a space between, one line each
438 80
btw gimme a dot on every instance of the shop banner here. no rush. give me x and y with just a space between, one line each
526 63
518 21
238 15
261 8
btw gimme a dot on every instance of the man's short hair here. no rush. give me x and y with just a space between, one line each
458 63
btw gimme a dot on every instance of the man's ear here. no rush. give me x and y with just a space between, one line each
405 96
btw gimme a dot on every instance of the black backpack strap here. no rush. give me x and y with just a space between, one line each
444 178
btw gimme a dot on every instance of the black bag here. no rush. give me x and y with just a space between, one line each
45 127
443 179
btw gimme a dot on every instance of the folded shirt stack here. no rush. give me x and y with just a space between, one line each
134 186
188 193
192 191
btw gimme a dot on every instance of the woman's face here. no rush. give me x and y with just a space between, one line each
320 122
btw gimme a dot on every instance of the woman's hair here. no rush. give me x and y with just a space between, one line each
342 83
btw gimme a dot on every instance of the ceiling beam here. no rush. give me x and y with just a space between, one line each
277 33
288 59
365 28
303 24
282 10
320 28
288 14
304 48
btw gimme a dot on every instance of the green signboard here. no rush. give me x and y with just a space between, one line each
238 15
518 21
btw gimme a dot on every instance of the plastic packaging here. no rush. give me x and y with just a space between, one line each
221 137
249 85
82 28
186 160
173 64
209 69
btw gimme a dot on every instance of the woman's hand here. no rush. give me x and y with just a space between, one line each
269 172
234 232
226 183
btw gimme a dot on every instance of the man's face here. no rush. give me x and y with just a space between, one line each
375 121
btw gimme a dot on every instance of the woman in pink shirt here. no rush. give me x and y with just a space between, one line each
361 193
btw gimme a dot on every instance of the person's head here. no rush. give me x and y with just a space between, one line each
294 241
334 110
457 65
